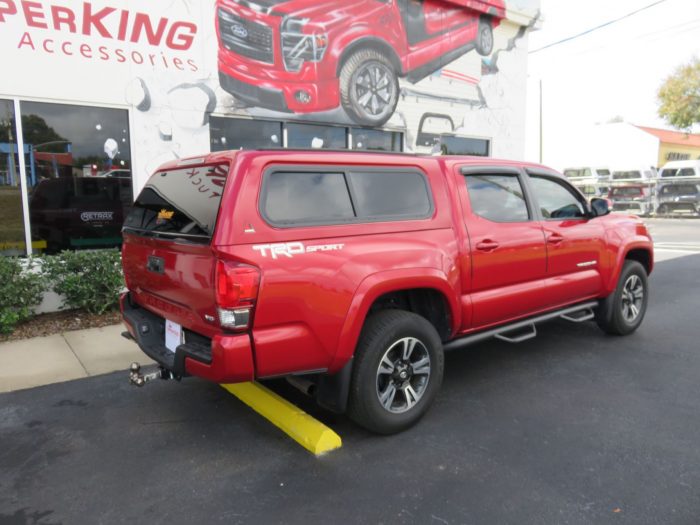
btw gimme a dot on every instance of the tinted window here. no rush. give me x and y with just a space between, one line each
556 201
390 194
181 202
603 173
617 175
680 189
498 198
314 136
375 139
451 145
626 192
236 133
299 197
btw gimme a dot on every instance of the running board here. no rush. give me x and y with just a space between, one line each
525 330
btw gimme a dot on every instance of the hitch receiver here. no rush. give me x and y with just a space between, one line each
136 378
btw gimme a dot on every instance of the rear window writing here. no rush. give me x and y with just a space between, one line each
180 202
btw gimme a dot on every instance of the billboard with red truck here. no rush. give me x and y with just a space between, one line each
304 56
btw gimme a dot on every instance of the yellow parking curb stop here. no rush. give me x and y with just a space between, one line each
297 424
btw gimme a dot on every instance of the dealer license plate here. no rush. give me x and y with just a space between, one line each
173 335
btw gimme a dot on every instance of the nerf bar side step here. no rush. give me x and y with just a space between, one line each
525 330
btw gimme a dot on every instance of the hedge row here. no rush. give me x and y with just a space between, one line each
91 280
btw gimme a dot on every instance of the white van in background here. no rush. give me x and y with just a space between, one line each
680 168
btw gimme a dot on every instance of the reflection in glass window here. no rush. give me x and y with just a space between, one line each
315 136
556 201
296 197
376 139
498 198
390 194
78 175
12 241
236 133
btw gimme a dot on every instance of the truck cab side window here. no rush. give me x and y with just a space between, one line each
556 200
498 198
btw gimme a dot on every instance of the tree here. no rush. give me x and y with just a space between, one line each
679 96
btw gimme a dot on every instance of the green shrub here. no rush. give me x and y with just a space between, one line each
91 280
20 291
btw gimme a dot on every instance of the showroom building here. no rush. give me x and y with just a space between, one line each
103 92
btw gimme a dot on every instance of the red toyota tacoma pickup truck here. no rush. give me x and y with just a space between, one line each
357 270
305 56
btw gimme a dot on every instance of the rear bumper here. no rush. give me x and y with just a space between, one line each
223 359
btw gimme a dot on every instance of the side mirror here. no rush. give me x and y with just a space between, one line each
600 207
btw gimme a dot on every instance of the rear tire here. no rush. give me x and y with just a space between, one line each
623 311
398 371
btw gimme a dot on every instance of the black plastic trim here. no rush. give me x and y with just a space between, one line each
504 329
150 336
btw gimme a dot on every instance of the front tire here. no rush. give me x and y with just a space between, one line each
623 311
398 371
369 87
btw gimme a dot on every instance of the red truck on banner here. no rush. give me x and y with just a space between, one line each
304 56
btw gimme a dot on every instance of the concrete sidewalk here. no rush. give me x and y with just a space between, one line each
71 355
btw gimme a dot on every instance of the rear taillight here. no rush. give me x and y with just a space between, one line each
236 292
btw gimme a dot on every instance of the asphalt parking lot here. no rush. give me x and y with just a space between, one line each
571 427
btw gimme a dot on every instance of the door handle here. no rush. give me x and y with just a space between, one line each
487 245
555 238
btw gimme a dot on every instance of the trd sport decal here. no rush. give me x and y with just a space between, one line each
290 249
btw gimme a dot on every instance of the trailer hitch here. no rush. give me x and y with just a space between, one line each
136 378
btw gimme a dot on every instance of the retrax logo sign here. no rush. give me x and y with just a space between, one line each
108 24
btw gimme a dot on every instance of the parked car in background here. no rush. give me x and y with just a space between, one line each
680 168
79 212
634 198
118 174
679 197
357 270
302 57
599 174
634 174
593 190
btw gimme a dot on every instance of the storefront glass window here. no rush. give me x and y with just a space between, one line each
12 240
235 133
314 136
78 175
375 139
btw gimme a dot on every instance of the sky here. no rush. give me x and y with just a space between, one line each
613 72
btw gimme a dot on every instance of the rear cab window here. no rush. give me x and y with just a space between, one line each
309 196
179 203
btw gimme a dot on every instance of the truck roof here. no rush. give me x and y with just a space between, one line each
228 155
